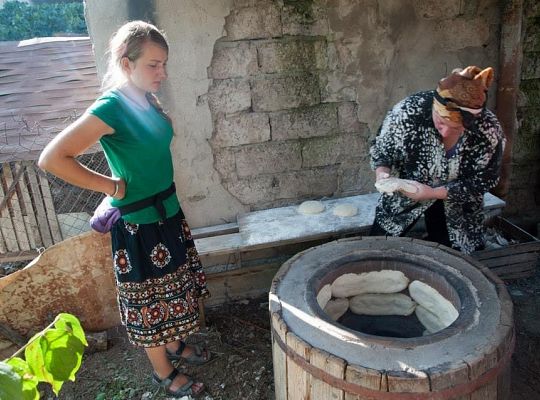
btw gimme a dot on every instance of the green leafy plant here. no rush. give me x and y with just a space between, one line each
20 21
53 355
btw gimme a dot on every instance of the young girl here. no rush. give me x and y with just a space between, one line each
158 273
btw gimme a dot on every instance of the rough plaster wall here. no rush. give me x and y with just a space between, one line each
524 196
192 28
103 17
392 48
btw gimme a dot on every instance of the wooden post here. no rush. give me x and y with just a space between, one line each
49 208
6 224
43 225
18 219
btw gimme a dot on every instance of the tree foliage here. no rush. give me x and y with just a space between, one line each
19 21
53 356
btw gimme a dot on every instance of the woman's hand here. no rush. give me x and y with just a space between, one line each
382 173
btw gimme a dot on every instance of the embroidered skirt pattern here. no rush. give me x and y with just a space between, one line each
159 280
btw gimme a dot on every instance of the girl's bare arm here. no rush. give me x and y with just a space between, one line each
58 157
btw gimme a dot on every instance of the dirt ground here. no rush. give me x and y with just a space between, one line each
238 335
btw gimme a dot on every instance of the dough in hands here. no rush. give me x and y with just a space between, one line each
434 302
384 281
382 304
345 210
392 184
336 308
311 207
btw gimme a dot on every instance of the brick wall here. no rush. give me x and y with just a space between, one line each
524 196
277 137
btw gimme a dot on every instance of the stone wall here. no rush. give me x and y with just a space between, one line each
524 196
278 138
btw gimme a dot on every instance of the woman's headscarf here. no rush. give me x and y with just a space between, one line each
462 95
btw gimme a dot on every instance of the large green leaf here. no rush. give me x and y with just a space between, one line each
11 386
29 381
64 354
34 355
71 324
53 356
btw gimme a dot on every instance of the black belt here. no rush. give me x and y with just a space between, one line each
155 201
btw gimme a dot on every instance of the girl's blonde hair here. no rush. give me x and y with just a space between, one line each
128 42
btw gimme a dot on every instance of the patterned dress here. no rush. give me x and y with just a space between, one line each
411 146
159 279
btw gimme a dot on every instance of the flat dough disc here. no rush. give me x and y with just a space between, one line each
311 207
345 210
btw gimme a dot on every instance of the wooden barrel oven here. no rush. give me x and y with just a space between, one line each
317 358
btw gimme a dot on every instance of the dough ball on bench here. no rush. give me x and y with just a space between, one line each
311 207
345 210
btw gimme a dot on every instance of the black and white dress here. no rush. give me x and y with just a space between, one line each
411 146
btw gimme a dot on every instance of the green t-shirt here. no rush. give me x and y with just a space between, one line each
138 151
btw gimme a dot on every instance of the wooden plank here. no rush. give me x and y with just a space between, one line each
6 224
365 377
279 358
19 256
285 225
215 230
449 375
332 365
515 232
219 245
30 214
402 381
508 250
41 215
2 242
517 267
517 275
479 365
49 209
17 215
249 282
12 335
511 259
298 380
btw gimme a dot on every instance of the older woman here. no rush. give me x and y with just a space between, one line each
450 146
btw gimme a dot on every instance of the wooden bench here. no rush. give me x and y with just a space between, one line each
241 259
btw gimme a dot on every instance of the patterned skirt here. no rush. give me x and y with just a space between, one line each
159 280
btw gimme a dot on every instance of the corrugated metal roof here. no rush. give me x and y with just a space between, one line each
45 84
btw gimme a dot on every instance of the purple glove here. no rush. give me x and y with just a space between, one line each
104 216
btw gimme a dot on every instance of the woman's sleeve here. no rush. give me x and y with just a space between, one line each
106 109
481 171
390 135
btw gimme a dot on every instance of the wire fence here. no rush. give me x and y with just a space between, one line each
38 209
